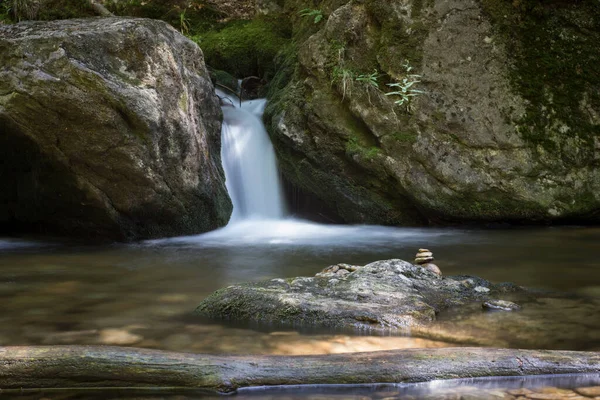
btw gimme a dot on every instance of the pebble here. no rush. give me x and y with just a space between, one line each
481 289
423 256
433 268
501 305
421 260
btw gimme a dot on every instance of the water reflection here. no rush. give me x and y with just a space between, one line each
574 386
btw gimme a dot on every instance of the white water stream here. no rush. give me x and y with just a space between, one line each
251 174
259 214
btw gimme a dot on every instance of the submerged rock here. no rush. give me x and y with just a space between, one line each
390 294
503 305
110 128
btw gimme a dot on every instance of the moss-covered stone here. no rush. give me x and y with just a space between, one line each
394 296
245 48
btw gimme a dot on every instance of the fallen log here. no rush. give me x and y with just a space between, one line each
98 367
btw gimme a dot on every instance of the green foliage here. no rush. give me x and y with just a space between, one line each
46 10
353 147
245 48
22 10
190 17
309 12
405 137
405 91
369 79
345 78
5 12
184 23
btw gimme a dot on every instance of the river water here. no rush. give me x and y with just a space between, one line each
144 294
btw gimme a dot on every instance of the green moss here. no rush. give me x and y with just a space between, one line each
224 79
398 40
187 17
65 9
405 137
246 48
554 50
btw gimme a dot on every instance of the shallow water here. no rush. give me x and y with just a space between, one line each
144 294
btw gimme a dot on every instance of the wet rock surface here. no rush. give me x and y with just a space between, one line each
394 295
390 294
110 129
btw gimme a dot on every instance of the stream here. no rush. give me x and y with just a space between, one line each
143 294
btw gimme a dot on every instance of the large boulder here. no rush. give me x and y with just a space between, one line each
396 297
109 128
506 126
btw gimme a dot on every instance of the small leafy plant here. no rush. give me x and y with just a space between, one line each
184 23
346 79
369 79
406 91
309 12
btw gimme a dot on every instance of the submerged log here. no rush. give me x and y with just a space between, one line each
119 367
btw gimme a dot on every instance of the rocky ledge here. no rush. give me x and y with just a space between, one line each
396 296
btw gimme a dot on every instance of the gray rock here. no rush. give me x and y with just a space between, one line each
390 294
475 146
502 305
110 128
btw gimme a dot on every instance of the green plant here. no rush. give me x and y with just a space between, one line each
369 79
5 12
309 12
345 77
184 23
406 91
22 10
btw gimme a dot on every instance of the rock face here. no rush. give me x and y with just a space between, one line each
506 126
390 294
110 128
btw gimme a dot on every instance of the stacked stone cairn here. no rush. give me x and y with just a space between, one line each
424 258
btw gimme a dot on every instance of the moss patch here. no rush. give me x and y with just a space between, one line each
554 49
245 48
187 17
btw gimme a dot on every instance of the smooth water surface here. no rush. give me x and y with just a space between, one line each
144 294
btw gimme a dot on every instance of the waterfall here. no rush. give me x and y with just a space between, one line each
249 162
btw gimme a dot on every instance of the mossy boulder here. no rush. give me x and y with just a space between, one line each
397 297
505 125
110 129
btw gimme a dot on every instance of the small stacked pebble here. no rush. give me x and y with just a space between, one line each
424 258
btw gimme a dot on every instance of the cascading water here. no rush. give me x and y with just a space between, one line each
259 216
249 162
